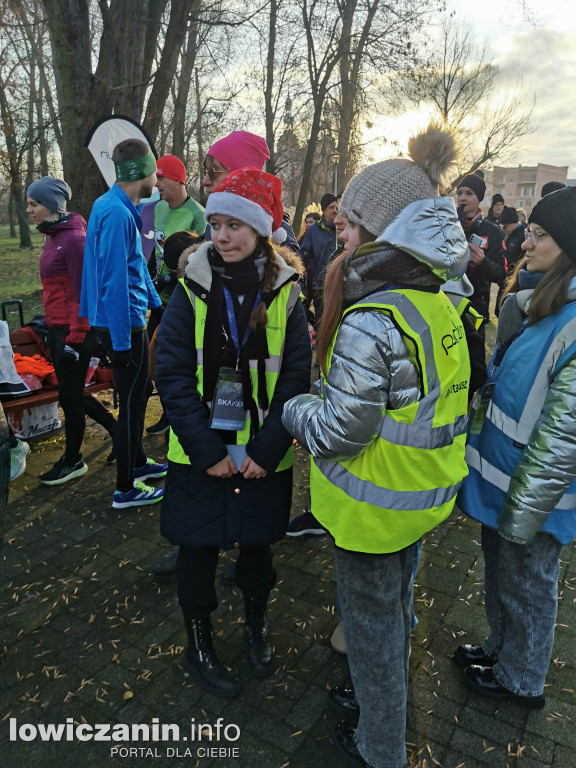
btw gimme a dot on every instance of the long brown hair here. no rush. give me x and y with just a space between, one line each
551 293
259 317
332 311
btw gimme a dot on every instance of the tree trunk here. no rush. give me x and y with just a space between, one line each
16 191
31 132
11 214
350 71
308 163
81 99
184 81
268 93
199 136
175 36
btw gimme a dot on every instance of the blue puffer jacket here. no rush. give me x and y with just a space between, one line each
116 286
318 243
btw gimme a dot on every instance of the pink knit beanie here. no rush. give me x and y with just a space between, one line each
240 149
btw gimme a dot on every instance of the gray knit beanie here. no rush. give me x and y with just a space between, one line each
380 192
50 192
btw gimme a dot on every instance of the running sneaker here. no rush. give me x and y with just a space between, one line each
305 524
18 459
61 472
150 471
160 427
138 496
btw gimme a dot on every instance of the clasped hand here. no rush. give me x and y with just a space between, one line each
226 468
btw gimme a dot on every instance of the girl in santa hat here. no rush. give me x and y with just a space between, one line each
233 347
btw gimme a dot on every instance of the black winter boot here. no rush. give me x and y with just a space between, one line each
201 660
258 650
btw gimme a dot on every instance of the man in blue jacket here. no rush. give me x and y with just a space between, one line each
116 293
317 246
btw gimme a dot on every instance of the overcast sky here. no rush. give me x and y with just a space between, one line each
543 52
539 47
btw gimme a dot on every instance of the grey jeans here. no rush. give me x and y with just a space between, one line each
375 592
521 585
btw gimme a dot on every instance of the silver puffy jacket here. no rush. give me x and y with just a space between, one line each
548 464
372 369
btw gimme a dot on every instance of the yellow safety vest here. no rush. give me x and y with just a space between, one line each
406 481
279 311
462 304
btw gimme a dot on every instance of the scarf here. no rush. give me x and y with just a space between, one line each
468 224
46 226
239 277
242 279
528 279
371 266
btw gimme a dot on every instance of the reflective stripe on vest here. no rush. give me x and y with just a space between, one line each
521 429
406 481
462 304
502 481
278 311
521 384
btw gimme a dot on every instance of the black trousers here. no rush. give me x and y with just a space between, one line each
130 385
75 404
196 573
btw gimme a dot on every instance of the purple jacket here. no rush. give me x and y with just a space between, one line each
61 275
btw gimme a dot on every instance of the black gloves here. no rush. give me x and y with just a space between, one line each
120 359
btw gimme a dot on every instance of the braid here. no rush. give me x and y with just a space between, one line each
259 318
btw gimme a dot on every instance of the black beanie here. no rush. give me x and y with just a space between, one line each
327 200
556 213
509 216
476 184
497 198
551 186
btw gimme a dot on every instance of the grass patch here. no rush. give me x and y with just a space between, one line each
20 276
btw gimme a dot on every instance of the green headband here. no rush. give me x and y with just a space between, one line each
133 170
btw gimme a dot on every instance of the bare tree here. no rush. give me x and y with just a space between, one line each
461 85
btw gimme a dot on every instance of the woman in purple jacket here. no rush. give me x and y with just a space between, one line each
70 340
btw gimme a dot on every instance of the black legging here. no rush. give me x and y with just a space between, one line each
196 572
75 404
130 384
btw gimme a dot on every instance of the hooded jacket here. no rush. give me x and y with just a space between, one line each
200 510
372 369
61 275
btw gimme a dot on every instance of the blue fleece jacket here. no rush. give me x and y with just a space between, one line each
116 286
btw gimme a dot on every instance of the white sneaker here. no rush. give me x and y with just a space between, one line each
18 459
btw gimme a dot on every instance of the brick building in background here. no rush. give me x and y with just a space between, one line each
521 186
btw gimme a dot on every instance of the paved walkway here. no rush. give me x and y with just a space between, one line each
90 636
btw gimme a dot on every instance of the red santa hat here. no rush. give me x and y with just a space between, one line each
251 196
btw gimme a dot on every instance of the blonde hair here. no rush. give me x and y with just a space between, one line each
53 216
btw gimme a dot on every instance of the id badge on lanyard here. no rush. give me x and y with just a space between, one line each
228 411
228 404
